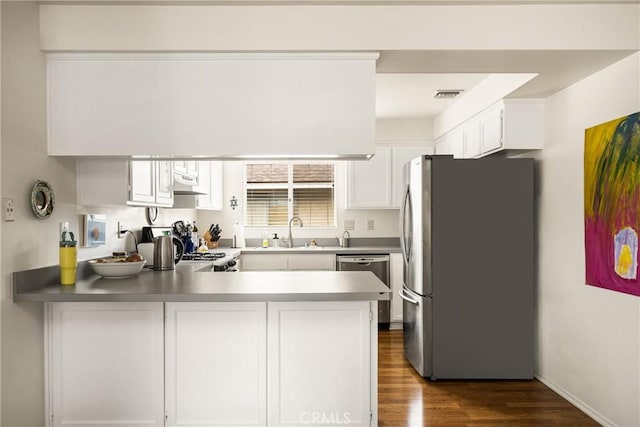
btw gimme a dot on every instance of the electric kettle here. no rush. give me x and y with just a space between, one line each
164 257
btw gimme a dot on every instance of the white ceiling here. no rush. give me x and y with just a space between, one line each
408 95
406 80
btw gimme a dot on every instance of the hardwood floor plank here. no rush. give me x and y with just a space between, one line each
407 400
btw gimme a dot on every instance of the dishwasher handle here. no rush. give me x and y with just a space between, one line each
362 260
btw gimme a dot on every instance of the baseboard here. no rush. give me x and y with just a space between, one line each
597 416
395 326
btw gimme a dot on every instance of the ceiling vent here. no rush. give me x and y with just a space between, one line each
447 93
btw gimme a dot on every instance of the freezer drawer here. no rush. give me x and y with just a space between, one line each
417 331
378 265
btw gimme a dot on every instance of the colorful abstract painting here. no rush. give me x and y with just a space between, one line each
612 204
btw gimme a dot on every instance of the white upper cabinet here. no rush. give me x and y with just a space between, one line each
211 175
186 167
122 182
377 183
142 182
211 104
164 183
369 182
471 135
510 124
210 178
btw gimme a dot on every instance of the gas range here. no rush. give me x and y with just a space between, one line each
219 261
203 256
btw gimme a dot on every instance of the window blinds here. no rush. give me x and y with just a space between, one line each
276 192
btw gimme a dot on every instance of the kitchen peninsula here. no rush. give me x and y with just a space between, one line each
194 347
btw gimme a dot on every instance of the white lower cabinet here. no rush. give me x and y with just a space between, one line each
216 355
308 262
397 280
105 364
320 363
264 262
212 364
300 262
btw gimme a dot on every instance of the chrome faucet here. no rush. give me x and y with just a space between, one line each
289 241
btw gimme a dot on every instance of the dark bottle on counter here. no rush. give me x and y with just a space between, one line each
194 234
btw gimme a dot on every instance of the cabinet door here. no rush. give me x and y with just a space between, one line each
263 262
396 266
216 356
210 179
180 166
369 182
192 168
142 188
319 363
164 183
457 138
315 262
401 155
471 139
105 364
491 130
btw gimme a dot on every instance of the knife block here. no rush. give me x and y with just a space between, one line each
210 243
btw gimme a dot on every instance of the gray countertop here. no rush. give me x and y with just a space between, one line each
186 283
365 250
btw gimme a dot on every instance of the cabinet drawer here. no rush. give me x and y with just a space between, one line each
312 262
264 262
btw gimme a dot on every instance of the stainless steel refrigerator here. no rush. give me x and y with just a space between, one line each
467 237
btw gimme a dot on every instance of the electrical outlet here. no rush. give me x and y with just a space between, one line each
8 209
349 224
120 230
370 224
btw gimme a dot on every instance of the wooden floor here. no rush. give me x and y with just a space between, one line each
407 400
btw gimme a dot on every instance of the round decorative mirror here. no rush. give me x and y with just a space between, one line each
152 215
42 199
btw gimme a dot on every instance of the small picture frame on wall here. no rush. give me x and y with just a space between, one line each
94 230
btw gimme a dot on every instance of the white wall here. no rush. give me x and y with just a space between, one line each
414 129
588 338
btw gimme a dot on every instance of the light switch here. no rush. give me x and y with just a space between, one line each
349 224
370 224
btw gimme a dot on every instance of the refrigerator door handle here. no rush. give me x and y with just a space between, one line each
407 297
403 214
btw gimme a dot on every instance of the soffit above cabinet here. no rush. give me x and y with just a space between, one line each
225 106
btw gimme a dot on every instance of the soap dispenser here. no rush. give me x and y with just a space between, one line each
276 240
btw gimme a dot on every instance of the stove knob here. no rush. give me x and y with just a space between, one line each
231 263
223 268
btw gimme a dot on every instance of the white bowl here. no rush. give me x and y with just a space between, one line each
117 270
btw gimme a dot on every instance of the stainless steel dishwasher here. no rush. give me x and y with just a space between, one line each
378 265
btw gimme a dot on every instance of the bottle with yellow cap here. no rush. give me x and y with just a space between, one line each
68 256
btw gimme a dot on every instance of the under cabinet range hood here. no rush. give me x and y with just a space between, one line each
186 185
212 105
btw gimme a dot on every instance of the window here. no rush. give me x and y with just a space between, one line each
276 192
